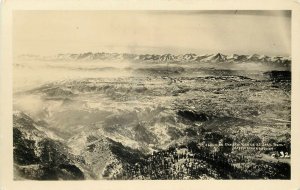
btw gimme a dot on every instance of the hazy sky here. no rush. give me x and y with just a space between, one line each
244 32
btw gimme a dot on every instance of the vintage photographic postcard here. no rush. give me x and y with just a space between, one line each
144 95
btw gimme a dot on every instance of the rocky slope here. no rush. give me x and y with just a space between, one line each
89 155
37 156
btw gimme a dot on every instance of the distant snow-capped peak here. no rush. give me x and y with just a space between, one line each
189 57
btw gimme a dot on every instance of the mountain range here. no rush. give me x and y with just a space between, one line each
170 58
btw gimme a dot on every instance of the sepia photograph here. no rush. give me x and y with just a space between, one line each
151 94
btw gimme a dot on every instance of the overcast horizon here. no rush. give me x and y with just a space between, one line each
159 32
